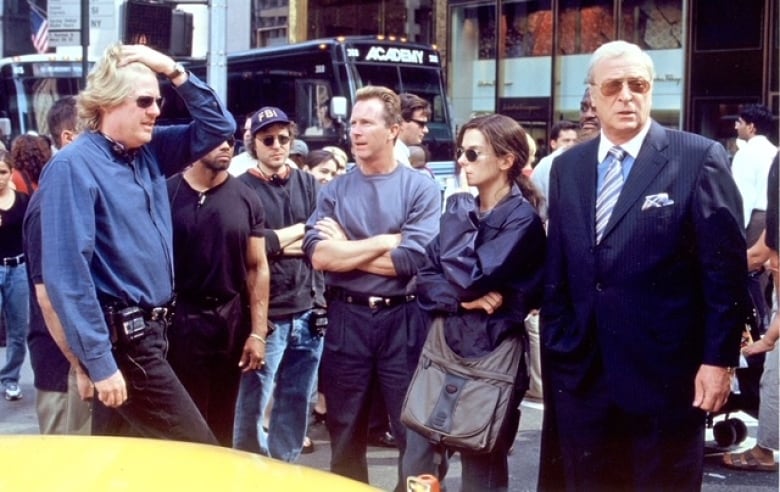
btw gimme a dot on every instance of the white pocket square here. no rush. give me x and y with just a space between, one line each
657 200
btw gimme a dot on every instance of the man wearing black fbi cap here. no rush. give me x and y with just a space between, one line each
293 350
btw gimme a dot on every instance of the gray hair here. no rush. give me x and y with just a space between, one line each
618 49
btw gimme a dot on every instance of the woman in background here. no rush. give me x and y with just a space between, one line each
29 154
14 291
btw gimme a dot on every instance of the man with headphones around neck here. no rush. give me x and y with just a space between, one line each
293 350
107 238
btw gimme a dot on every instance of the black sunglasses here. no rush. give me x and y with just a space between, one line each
231 141
636 85
145 102
421 123
471 154
268 141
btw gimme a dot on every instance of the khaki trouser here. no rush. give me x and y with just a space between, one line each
535 364
64 413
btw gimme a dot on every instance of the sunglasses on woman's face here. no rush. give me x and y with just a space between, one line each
471 154
637 85
268 140
144 102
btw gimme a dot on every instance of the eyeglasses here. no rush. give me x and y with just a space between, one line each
420 123
231 141
268 140
144 102
471 154
636 85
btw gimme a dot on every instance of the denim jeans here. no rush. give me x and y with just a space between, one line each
157 404
14 304
292 356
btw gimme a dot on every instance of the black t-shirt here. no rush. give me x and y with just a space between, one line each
772 204
50 367
287 201
211 231
11 226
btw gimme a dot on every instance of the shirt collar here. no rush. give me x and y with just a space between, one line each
631 147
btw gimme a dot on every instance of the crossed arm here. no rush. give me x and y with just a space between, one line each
336 253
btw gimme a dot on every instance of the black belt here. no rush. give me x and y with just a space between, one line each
374 302
13 261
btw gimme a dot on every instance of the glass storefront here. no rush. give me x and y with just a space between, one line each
543 48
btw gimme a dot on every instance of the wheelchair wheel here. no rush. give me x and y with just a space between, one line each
729 432
740 429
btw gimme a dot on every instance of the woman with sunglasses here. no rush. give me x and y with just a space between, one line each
483 275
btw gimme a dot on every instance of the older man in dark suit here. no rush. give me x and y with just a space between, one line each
644 294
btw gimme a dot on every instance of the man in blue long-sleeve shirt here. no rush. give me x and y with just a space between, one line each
107 238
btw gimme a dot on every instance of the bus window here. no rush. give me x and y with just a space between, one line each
314 117
250 91
425 83
383 75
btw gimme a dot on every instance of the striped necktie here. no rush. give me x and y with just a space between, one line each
610 190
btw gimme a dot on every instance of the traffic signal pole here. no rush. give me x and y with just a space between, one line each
216 71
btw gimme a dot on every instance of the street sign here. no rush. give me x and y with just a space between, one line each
65 20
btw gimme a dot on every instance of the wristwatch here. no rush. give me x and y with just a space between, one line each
177 70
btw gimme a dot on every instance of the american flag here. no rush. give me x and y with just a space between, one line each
39 27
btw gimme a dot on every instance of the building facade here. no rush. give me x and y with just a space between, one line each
528 59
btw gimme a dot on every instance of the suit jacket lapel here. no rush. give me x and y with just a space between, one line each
647 165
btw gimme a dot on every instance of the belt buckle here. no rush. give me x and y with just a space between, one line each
158 313
375 301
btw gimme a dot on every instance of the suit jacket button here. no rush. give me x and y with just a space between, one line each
599 287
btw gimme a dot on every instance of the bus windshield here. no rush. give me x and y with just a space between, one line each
29 88
420 81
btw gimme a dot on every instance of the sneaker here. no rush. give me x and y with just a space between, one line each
13 392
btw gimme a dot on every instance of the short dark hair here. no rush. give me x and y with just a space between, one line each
62 116
759 115
560 126
411 103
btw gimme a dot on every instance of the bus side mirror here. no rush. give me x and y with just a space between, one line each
5 128
338 107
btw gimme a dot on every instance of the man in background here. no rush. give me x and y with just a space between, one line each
293 350
62 385
415 114
221 268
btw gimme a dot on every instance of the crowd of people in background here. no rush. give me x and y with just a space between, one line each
169 287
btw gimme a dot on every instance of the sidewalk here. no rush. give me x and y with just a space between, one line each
19 418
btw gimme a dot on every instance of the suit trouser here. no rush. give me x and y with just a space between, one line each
365 347
606 448
157 404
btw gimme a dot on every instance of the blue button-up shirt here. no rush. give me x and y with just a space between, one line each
106 222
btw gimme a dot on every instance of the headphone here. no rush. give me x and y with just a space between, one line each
120 150
276 178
